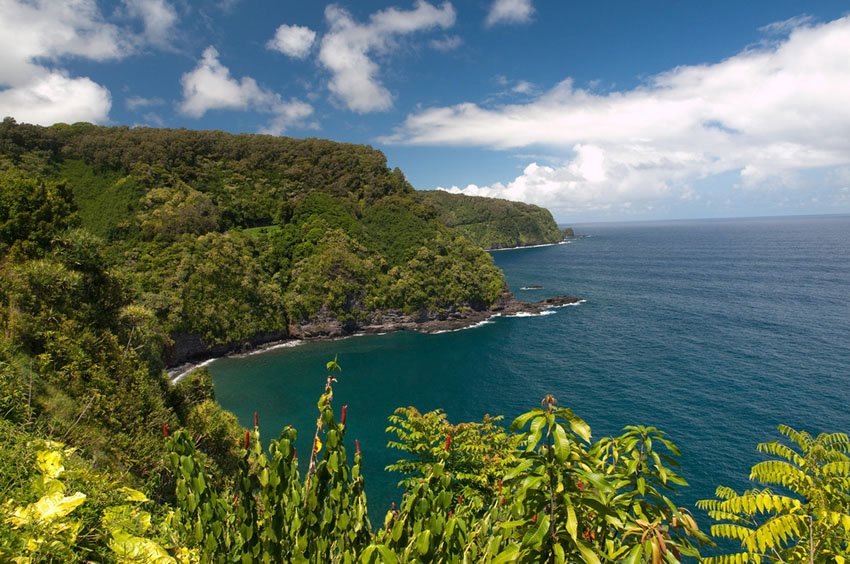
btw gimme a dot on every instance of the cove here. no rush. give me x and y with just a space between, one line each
714 331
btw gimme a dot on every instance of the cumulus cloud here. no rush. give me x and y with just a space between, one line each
347 49
158 17
210 86
36 37
292 40
509 12
766 112
53 97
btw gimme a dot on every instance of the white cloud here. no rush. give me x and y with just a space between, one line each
53 97
292 40
36 37
509 12
209 86
347 48
523 87
158 17
293 113
764 113
137 102
446 44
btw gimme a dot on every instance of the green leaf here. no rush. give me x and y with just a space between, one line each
520 421
510 554
423 543
572 522
577 424
562 444
560 558
634 555
587 553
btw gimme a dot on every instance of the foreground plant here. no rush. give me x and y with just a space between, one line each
806 520
541 491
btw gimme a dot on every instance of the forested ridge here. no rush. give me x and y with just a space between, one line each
227 237
116 242
494 223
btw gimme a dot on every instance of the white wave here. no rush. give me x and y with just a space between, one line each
282 345
181 375
473 326
528 247
574 304
548 311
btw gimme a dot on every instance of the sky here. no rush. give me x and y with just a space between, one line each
600 111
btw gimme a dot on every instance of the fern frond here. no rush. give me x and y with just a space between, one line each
764 502
732 531
803 439
726 516
835 440
776 533
780 472
740 558
782 451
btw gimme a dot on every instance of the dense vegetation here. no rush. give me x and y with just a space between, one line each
121 249
117 243
541 491
495 223
224 238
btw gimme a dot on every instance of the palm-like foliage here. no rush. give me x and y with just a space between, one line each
807 518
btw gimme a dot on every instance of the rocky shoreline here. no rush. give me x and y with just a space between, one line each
189 351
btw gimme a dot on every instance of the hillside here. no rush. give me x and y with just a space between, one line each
231 238
494 223
126 250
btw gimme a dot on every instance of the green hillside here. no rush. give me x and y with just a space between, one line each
493 223
226 237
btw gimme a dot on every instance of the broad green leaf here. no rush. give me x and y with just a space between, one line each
572 522
562 444
587 553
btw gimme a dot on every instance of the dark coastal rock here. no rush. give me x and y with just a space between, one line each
191 348
188 349
560 301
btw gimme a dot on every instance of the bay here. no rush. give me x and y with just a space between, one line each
712 330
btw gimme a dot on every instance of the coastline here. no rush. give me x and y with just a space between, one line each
506 306
564 242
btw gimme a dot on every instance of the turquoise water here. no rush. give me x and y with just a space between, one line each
715 331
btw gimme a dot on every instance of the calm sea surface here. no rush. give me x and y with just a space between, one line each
713 330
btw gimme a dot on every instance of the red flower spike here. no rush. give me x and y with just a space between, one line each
460 500
534 518
500 486
256 419
448 442
342 417
165 430
503 500
580 485
357 446
451 514
247 439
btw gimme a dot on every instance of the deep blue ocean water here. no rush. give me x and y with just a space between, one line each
713 330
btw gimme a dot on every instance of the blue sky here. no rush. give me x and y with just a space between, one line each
597 110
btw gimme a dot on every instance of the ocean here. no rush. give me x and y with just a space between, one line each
714 331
